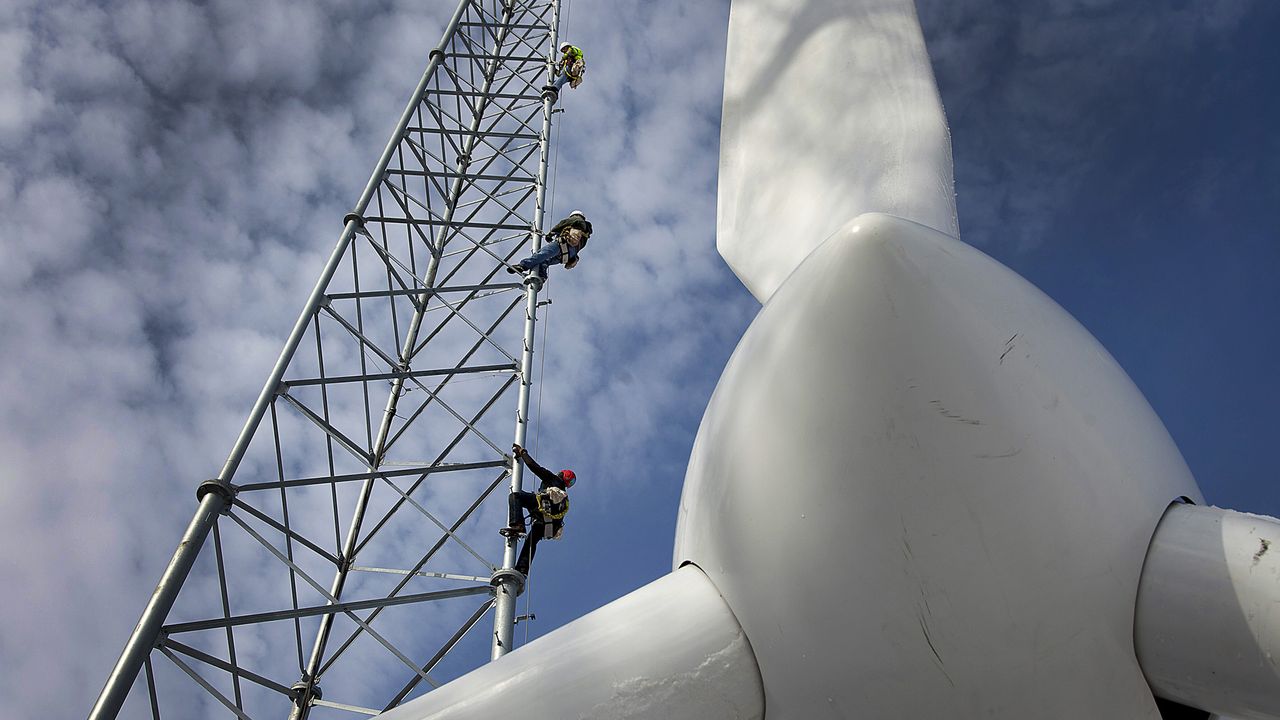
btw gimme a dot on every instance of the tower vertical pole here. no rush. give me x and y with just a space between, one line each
213 501
507 582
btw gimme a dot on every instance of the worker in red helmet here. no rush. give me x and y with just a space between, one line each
547 508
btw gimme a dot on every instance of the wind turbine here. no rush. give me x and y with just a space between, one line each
920 489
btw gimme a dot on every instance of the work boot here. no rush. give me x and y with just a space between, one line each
512 531
514 269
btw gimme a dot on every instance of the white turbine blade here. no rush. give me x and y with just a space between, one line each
1207 627
670 650
830 111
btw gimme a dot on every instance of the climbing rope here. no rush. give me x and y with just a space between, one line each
546 323
546 330
555 174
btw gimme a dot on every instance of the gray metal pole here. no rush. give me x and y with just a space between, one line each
507 582
215 498
147 632
306 687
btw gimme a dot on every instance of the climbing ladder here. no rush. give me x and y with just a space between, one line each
338 563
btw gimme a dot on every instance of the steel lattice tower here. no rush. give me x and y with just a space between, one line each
345 533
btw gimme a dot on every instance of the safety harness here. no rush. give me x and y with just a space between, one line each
553 504
566 259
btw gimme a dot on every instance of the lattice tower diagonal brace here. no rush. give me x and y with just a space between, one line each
306 685
216 495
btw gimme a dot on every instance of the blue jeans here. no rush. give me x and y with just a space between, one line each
548 254
560 81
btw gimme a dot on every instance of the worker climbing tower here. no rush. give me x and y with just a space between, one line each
341 560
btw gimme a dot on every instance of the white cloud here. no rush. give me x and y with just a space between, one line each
55 217
20 103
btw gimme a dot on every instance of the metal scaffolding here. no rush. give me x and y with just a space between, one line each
388 499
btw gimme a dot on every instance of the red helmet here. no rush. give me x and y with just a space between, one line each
568 477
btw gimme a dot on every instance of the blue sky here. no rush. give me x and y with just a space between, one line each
173 175
1150 128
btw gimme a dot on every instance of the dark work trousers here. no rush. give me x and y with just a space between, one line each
518 502
530 547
